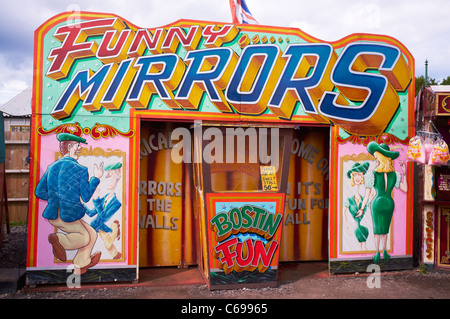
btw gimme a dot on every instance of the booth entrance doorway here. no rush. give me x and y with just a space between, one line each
168 222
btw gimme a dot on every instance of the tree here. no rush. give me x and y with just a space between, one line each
446 81
420 83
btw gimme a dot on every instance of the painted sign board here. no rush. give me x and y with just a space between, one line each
244 238
371 222
97 75
443 241
442 104
106 65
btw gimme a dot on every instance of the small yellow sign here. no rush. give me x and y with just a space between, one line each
269 178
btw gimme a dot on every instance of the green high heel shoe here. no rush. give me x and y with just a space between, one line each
376 258
386 255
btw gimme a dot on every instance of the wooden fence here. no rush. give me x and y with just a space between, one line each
17 173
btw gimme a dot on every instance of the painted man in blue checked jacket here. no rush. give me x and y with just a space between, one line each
64 185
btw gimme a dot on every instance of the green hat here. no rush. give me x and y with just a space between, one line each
113 166
359 168
70 137
383 149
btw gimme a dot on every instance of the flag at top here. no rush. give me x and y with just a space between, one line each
240 12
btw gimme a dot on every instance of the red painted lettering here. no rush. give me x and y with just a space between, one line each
75 45
226 254
145 39
215 36
247 256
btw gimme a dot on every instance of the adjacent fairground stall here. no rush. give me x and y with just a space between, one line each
429 150
229 147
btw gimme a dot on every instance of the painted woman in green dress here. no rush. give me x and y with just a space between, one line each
353 204
382 181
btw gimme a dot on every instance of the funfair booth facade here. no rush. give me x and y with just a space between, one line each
231 147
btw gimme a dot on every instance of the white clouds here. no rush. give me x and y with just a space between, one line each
367 16
422 26
13 79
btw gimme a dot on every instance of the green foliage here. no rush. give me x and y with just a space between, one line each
446 81
420 82
17 223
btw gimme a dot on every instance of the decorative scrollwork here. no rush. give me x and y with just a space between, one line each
446 104
104 130
429 234
98 151
96 132
364 140
73 128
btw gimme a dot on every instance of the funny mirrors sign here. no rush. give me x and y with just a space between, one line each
106 65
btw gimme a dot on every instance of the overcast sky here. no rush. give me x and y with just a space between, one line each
422 26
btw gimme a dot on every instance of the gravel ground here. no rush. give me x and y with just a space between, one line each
402 285
411 284
13 250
